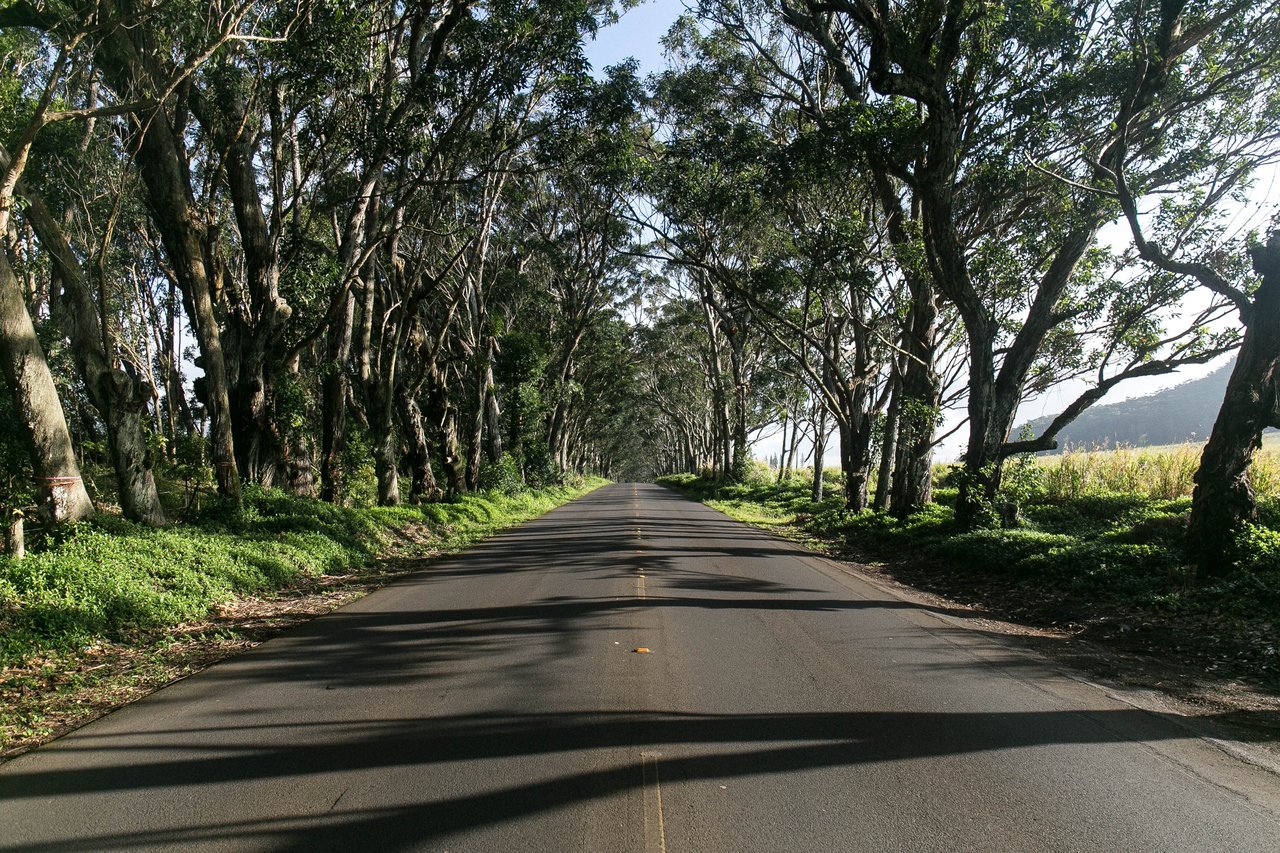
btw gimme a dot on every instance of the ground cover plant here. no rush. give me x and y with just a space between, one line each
110 609
1099 546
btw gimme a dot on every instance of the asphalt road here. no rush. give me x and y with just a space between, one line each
494 702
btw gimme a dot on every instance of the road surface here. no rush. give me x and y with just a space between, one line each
495 702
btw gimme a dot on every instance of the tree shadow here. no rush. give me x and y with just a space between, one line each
190 766
693 747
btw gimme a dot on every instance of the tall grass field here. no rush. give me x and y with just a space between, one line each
1160 473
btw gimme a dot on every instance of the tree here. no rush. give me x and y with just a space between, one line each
999 108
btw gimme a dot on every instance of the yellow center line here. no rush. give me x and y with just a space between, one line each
655 838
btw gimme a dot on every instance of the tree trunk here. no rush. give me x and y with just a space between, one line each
982 457
919 406
445 417
855 446
782 454
796 433
819 450
493 417
385 458
855 461
163 170
162 164
386 449
120 397
888 449
62 493
1224 497
334 403
475 441
255 322
423 478
913 472
741 446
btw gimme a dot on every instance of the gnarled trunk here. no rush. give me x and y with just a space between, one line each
419 456
445 417
918 406
1224 497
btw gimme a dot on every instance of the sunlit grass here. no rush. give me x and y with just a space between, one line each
1161 473
116 580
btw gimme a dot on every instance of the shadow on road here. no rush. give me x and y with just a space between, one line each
355 649
695 747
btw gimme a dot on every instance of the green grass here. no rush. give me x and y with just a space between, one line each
112 579
1097 545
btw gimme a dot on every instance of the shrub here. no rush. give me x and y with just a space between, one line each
502 476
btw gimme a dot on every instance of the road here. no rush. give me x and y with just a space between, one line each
495 702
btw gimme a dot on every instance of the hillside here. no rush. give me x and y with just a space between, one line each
1185 412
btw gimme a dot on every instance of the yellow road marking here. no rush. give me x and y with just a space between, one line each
655 839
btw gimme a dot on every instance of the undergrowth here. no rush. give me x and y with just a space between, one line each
1099 547
114 580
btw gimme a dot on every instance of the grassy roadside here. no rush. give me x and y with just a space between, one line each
111 610
1106 567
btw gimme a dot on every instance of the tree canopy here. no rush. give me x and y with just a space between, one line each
329 247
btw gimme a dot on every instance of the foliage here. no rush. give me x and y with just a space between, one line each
1160 473
113 578
502 476
1098 546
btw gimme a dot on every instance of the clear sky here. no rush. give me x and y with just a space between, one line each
636 35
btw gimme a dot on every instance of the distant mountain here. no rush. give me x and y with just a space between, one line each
1184 412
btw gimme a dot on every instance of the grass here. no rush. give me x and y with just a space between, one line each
111 610
1160 473
1101 533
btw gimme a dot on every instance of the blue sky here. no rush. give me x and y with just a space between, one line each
636 35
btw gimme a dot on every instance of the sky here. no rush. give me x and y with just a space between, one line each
638 33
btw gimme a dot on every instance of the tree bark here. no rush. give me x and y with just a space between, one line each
255 321
423 486
475 443
162 165
445 417
1224 498
163 170
493 417
334 403
59 486
819 450
888 449
386 450
919 404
